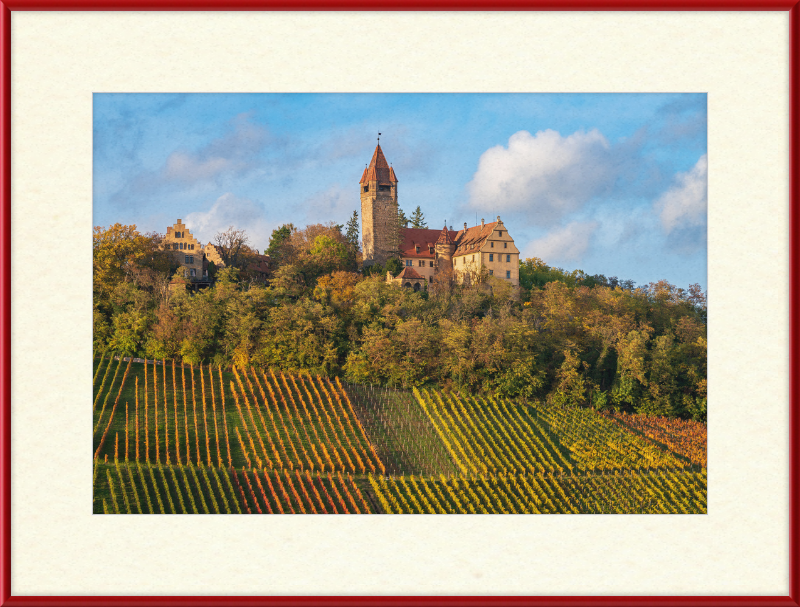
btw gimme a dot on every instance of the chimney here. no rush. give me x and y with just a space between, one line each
498 219
481 222
465 226
451 228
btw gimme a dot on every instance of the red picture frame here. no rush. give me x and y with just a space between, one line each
792 6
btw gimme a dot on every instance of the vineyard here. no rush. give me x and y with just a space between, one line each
171 438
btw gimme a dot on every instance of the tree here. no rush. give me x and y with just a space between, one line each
352 231
418 219
394 265
327 255
279 248
402 220
232 246
337 288
120 253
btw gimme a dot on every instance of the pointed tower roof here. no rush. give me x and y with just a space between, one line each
444 237
378 169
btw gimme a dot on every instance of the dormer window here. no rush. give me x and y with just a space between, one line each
430 250
417 249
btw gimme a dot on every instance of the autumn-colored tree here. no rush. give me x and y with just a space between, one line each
121 253
232 245
337 288
576 339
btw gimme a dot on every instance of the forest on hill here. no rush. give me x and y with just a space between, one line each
565 338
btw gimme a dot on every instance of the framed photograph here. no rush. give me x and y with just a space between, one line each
594 376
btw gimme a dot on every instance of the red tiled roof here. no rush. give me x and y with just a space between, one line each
409 272
411 238
472 239
378 169
466 241
260 264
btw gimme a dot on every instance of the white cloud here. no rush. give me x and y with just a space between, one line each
685 204
188 168
546 175
336 203
228 210
233 153
568 243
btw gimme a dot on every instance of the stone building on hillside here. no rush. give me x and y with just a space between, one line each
212 254
187 250
379 225
428 253
408 278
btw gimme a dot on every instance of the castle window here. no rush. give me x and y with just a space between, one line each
508 257
430 278
501 233
508 273
491 272
431 264
384 188
192 272
417 249
491 256
421 263
187 259
505 245
409 263
492 244
366 188
175 246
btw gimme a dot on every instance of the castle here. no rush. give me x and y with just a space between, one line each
426 253
195 258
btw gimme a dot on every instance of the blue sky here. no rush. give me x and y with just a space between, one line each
614 184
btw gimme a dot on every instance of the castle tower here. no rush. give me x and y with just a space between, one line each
445 247
379 229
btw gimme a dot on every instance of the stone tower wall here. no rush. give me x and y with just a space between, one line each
444 257
379 229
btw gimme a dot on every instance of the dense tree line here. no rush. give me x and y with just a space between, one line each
565 337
